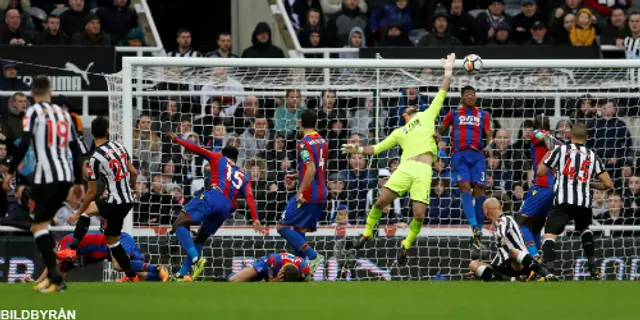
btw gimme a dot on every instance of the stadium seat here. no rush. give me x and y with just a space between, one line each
512 12
38 14
94 10
475 12
59 11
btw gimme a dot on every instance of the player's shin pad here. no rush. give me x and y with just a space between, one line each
372 220
414 229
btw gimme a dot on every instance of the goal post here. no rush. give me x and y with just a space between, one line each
180 93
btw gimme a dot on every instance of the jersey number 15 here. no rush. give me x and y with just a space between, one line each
237 179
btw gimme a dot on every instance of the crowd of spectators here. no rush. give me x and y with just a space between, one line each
72 22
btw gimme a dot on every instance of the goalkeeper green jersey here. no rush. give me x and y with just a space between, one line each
418 135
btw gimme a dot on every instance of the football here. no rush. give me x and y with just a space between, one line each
472 63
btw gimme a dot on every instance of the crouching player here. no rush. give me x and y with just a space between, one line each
93 249
276 267
512 259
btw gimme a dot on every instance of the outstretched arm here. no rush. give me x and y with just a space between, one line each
436 105
209 155
386 144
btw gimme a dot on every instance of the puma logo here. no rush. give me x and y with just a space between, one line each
83 73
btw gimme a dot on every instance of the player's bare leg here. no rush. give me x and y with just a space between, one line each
419 213
45 243
385 198
245 275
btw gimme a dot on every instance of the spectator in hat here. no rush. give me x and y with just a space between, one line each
12 32
487 22
92 34
74 20
461 24
339 28
314 40
502 36
135 38
573 6
439 35
336 195
539 35
9 82
395 36
524 20
51 35
397 13
262 46
583 34
341 216
615 32
117 19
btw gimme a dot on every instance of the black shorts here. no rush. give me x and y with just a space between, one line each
507 269
534 224
562 214
113 215
47 199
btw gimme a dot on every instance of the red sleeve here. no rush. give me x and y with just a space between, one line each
198 149
65 242
602 10
251 201
487 122
448 119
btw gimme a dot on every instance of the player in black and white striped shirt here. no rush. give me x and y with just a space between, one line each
512 259
575 166
112 163
53 133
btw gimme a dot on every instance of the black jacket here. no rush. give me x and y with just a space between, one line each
72 22
44 38
461 27
484 22
262 50
7 35
521 27
611 33
85 39
401 40
117 22
546 41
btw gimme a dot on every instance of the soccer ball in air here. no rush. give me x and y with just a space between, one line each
472 63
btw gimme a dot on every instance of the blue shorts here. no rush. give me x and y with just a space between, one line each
209 209
261 267
468 166
131 247
302 216
537 202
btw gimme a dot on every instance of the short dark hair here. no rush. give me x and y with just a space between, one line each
634 13
290 91
230 152
40 85
223 33
579 131
185 118
467 88
100 127
329 91
290 273
260 115
181 31
541 121
52 16
309 119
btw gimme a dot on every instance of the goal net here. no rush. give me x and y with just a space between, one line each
253 105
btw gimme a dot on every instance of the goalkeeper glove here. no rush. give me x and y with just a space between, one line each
447 64
352 148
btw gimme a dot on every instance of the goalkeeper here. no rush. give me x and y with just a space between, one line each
419 150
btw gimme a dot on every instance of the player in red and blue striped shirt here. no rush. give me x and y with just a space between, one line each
468 160
303 212
276 267
213 206
539 200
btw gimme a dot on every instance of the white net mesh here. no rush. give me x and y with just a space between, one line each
255 109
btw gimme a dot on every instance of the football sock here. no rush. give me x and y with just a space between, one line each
118 253
527 260
82 226
469 210
549 253
187 264
298 241
529 241
138 266
184 236
588 246
153 276
536 239
372 220
296 251
479 212
414 229
45 244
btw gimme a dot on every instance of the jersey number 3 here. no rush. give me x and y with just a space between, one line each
114 163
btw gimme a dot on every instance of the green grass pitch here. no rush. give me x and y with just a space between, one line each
336 300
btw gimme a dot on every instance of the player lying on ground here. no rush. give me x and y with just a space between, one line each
111 163
468 157
302 212
512 259
94 249
539 200
276 267
576 167
419 149
213 206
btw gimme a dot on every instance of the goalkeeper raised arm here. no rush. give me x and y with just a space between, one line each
419 150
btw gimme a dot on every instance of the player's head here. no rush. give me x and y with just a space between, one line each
100 128
468 96
579 133
541 121
409 112
41 87
230 152
492 209
289 273
308 119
